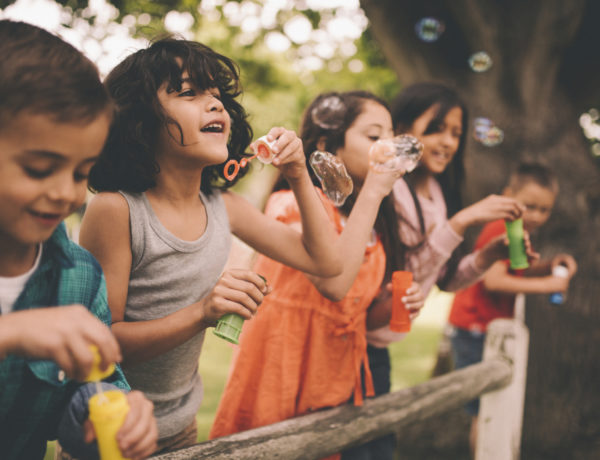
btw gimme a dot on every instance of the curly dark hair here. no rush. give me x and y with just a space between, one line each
128 161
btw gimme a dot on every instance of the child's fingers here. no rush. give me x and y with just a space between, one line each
88 431
82 356
248 275
138 434
292 152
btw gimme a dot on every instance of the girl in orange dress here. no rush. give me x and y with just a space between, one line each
305 349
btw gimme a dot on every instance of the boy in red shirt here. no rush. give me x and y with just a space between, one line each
493 297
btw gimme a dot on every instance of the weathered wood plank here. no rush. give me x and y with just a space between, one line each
322 433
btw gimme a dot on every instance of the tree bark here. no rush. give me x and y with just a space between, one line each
546 64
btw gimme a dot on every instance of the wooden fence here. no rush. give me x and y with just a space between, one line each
500 378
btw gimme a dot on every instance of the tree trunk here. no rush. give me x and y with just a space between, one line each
546 64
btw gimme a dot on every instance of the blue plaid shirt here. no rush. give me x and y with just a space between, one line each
34 393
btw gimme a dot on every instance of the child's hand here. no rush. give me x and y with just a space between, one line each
138 435
414 300
237 291
381 182
566 260
497 249
289 156
63 335
492 207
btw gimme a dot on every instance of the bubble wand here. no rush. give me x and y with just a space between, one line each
263 150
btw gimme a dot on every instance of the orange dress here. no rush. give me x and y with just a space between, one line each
301 352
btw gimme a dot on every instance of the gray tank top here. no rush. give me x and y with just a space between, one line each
168 274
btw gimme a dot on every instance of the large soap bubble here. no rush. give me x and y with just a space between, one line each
335 181
487 132
329 112
400 153
429 29
480 61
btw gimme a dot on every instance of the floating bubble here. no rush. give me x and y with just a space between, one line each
329 113
482 126
401 153
480 61
263 149
335 181
429 29
494 137
487 132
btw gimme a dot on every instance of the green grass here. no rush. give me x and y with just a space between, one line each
412 362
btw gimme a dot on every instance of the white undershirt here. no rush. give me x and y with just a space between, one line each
11 286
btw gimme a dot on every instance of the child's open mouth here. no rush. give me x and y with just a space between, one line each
213 128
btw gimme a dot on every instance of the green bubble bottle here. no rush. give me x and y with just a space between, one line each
516 244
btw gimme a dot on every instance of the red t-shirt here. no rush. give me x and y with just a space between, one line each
474 307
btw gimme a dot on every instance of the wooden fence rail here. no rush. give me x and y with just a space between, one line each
326 432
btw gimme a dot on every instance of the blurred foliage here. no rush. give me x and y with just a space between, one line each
275 90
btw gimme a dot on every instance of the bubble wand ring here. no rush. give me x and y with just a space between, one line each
263 150
236 167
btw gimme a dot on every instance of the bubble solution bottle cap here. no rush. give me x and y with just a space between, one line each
97 374
107 413
516 244
561 271
264 149
400 320
229 327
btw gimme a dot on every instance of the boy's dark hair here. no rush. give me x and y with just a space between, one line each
409 105
42 74
128 160
333 132
529 171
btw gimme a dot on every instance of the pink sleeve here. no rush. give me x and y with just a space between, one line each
427 256
466 273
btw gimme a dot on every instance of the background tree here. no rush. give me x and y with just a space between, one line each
544 75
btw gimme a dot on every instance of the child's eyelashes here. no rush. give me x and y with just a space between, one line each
37 173
187 93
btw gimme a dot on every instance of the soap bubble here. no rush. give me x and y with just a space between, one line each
329 112
401 153
480 61
429 29
494 137
487 132
263 149
482 126
335 182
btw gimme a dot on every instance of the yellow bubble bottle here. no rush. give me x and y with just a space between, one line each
108 410
97 374
107 413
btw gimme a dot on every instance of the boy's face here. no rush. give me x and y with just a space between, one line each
44 168
205 124
538 202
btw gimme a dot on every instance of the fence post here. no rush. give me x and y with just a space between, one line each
501 412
